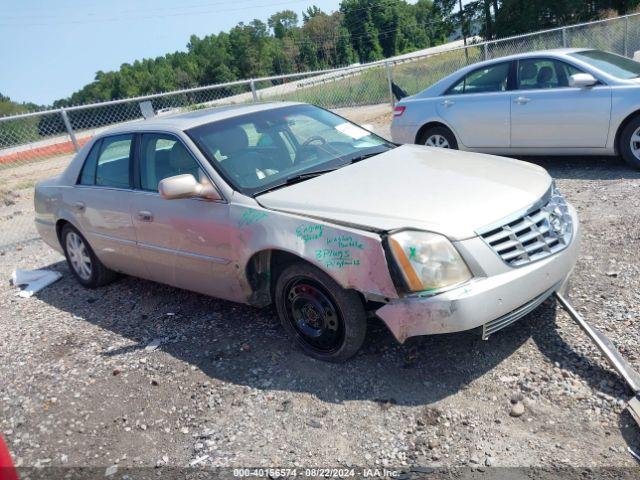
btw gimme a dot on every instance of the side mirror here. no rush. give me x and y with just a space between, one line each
582 80
186 186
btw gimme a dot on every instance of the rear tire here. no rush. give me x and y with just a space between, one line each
328 322
83 262
629 146
439 137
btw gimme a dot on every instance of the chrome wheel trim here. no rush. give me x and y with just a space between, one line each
437 140
79 256
634 143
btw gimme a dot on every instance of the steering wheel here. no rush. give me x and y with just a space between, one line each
314 138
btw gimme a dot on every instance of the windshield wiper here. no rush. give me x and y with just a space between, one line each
364 156
297 179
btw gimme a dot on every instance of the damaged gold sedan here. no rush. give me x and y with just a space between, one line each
292 205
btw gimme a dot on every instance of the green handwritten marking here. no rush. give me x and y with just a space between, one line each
336 258
309 232
249 217
412 253
345 241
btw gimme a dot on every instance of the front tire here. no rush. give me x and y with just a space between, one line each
630 143
328 322
439 137
83 262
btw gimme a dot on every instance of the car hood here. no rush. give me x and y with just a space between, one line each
449 192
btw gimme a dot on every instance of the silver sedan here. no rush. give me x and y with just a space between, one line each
291 205
553 102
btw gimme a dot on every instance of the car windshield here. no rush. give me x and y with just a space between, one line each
264 150
610 63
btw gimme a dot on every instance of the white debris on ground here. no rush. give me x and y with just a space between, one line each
33 280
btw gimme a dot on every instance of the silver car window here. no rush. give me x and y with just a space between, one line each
542 73
610 63
492 78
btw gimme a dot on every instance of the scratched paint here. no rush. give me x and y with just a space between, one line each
308 232
249 217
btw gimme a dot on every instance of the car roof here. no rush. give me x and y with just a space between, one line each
187 120
552 52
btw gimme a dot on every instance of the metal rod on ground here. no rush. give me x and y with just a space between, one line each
387 66
67 124
608 349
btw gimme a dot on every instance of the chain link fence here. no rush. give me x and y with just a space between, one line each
40 144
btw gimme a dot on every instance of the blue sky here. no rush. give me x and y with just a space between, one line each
51 48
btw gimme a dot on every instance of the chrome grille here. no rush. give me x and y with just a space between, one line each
544 229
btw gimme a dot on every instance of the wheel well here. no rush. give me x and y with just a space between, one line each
427 126
262 271
621 127
59 226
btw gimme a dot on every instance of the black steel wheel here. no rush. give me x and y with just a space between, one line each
325 320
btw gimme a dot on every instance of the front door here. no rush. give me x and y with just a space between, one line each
477 107
183 242
547 113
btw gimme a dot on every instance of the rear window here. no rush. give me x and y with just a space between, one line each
615 65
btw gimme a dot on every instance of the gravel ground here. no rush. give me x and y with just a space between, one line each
82 383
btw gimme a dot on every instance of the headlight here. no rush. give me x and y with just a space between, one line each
428 261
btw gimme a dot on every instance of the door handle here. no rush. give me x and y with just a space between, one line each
80 206
448 103
522 100
145 216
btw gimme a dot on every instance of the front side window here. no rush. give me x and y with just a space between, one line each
610 63
112 169
261 150
493 78
162 156
541 73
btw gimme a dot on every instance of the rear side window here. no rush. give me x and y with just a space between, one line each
88 175
493 78
112 169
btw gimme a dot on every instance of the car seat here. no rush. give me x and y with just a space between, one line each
545 74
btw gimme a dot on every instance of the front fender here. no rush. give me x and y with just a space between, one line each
354 258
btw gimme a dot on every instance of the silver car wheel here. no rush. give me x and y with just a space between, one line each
78 255
437 141
635 143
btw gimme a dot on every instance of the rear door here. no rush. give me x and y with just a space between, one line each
546 112
478 107
101 203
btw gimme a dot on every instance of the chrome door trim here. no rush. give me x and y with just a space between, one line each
112 238
149 246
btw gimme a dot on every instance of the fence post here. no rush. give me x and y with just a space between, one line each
626 33
564 37
486 50
387 66
70 131
253 91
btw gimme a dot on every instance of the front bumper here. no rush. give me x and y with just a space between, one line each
504 294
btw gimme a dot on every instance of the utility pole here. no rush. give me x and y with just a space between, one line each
463 30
